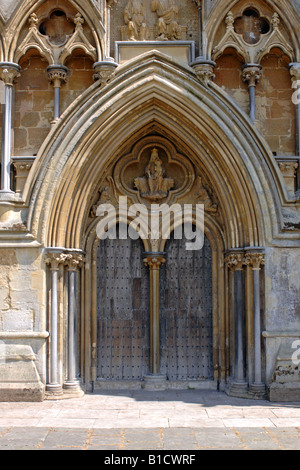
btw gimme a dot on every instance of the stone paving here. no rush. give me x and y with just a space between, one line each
187 420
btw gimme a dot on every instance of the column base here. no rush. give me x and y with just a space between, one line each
257 390
155 382
72 388
54 389
238 389
6 195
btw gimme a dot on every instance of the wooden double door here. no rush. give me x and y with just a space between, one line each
123 306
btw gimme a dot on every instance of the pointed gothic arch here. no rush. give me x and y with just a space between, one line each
166 103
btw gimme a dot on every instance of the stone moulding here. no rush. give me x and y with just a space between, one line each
135 48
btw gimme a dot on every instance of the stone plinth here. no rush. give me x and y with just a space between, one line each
19 379
155 382
286 379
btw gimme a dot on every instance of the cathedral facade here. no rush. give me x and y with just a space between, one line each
120 113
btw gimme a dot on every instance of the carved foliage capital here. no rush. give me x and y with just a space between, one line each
9 73
252 74
235 261
255 260
154 262
55 260
74 262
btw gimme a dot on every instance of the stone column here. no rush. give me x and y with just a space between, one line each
295 74
109 5
255 260
57 75
154 262
251 75
9 72
73 263
235 262
54 260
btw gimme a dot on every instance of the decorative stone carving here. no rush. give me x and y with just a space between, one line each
22 166
255 260
204 70
154 171
74 261
134 17
104 71
57 75
289 169
55 260
235 261
57 42
251 74
203 197
154 185
107 195
78 40
9 72
257 45
167 25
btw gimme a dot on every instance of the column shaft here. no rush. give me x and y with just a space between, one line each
235 262
154 262
154 321
8 74
53 337
255 260
240 326
73 263
257 327
6 136
54 261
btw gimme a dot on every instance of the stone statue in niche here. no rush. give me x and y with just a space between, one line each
168 13
154 185
134 17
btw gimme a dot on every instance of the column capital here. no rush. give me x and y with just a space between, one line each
9 72
255 260
235 261
155 260
54 260
252 74
295 71
74 261
104 71
58 74
204 70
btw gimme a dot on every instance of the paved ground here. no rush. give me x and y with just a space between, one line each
162 421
